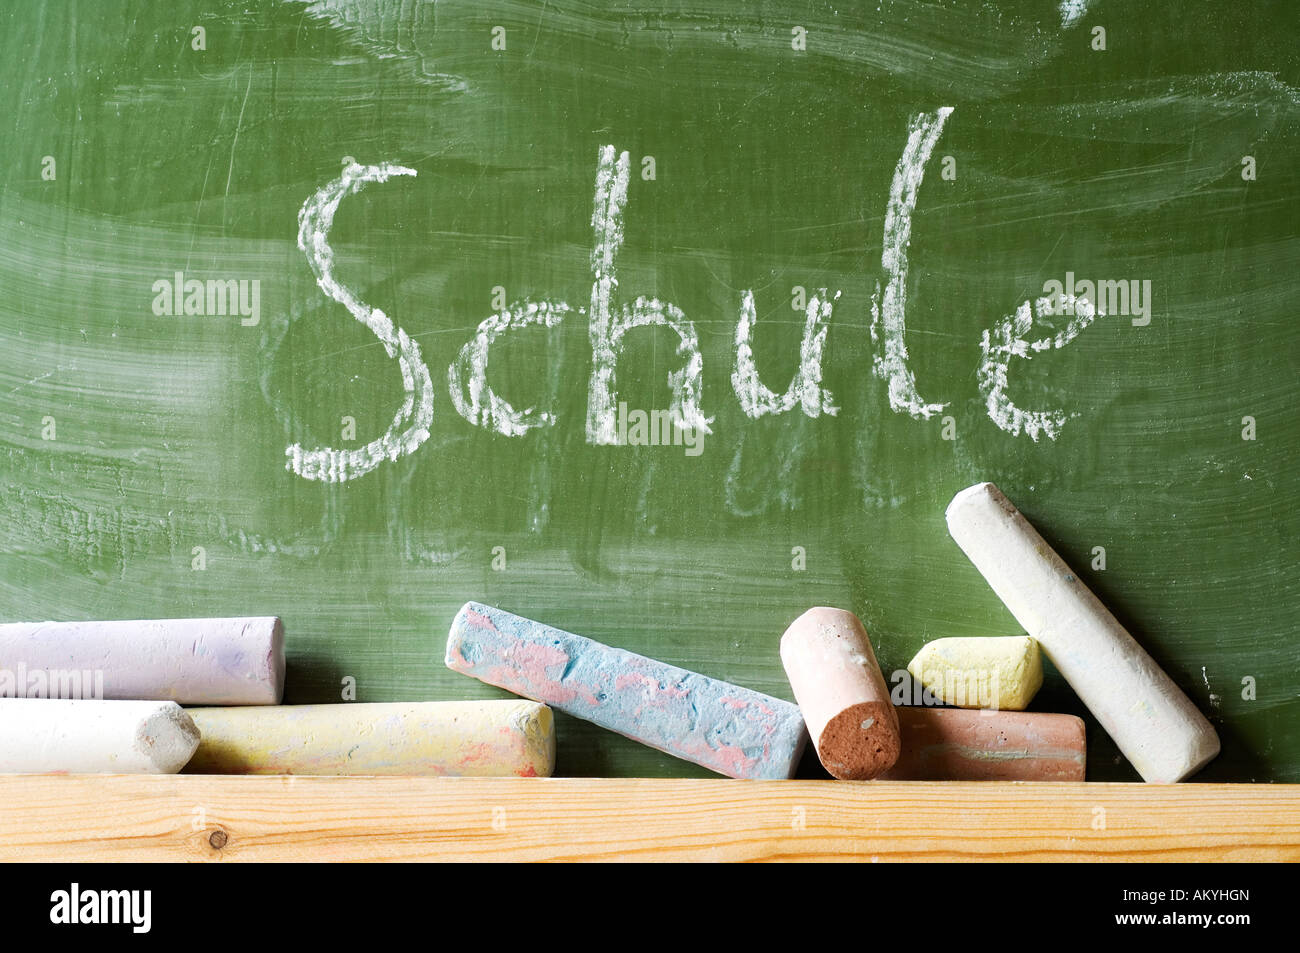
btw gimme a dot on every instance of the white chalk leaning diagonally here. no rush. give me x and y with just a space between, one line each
41 735
1154 724
190 661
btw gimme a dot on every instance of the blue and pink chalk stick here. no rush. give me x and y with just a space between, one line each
726 728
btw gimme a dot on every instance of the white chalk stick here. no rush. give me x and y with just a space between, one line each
1154 724
41 735
189 661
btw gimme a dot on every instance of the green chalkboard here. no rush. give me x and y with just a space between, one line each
454 172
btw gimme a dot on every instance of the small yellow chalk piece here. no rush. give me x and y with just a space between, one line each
996 672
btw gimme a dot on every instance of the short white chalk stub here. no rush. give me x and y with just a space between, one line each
1152 721
44 735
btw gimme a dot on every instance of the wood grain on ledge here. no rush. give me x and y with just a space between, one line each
207 818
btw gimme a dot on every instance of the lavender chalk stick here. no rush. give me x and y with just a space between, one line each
726 728
188 661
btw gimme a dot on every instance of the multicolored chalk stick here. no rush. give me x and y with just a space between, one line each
1156 726
94 737
957 744
729 729
1003 672
837 682
189 661
489 739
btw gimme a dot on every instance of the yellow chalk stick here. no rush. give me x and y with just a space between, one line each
451 739
1001 672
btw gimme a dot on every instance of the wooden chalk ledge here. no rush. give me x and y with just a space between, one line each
223 818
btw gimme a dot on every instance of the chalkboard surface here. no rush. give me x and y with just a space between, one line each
657 323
